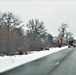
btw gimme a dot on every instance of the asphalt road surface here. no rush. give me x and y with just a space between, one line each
67 67
59 63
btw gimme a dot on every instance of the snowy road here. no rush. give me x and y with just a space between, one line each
43 66
10 62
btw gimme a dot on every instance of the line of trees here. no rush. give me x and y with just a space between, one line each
14 39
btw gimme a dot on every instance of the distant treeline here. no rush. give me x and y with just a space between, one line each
13 38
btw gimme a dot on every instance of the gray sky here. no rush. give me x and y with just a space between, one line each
52 13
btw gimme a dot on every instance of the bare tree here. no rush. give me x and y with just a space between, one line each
62 30
10 22
35 30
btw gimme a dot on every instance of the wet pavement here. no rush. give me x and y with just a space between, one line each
59 63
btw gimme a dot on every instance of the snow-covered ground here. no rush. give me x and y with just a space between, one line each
9 62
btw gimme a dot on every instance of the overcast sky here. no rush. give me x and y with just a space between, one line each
52 13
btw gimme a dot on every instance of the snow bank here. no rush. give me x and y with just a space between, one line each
10 62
